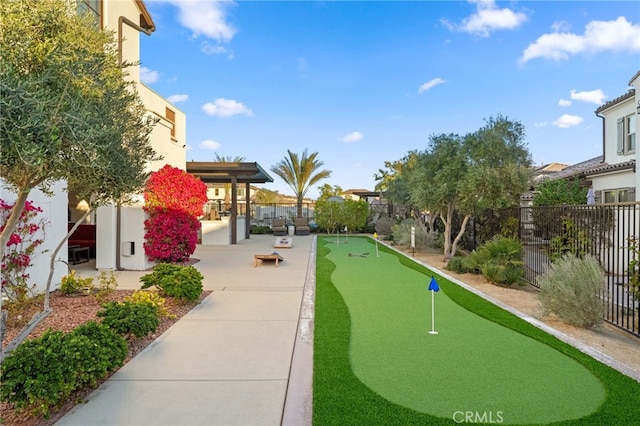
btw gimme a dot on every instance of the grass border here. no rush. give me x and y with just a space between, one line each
340 398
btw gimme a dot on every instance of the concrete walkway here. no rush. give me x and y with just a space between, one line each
241 357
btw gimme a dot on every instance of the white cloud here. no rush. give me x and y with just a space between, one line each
207 18
351 137
430 84
599 36
148 76
567 120
174 99
215 49
226 108
593 97
540 124
488 18
564 102
209 144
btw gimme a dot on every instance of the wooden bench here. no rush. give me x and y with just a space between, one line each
261 257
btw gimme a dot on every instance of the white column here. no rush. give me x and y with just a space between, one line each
106 237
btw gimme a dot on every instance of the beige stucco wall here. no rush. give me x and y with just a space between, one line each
112 10
172 149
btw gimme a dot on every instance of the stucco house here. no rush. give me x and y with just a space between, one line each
616 180
612 176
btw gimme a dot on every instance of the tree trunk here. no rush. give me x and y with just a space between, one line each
447 232
463 228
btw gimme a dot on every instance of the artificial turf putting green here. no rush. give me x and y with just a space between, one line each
472 365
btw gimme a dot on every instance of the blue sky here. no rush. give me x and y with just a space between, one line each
364 82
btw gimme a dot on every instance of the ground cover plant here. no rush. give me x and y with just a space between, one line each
342 396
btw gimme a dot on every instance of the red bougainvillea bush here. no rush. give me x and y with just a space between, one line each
171 188
18 255
170 236
174 200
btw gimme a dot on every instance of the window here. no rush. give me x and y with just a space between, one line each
217 192
240 192
91 7
627 134
626 195
630 132
171 117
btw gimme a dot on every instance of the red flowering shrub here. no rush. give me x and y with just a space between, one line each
171 188
171 236
174 200
17 256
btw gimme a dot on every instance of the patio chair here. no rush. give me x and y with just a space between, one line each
279 227
302 226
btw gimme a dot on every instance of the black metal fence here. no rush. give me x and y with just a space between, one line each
603 231
263 214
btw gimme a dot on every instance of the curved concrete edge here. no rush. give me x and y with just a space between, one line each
602 357
298 404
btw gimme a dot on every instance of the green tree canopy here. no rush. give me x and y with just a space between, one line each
300 173
558 192
459 174
266 196
327 191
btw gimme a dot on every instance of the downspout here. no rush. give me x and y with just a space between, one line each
604 152
147 31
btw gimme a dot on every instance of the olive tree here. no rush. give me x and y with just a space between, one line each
67 110
488 168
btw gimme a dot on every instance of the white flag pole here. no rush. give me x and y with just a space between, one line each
375 237
433 314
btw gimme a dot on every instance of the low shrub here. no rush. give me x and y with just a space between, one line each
571 288
72 284
41 373
260 229
182 282
152 297
499 260
95 350
456 264
130 318
383 225
402 234
474 261
107 284
37 375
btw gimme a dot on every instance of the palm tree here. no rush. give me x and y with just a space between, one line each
227 186
298 173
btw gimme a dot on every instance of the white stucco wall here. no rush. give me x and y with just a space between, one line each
614 181
611 117
55 229
218 232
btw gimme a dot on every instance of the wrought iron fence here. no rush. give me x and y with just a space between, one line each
263 214
603 231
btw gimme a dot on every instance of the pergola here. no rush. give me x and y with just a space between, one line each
234 173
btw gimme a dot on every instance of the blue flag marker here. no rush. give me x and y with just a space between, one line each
433 285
